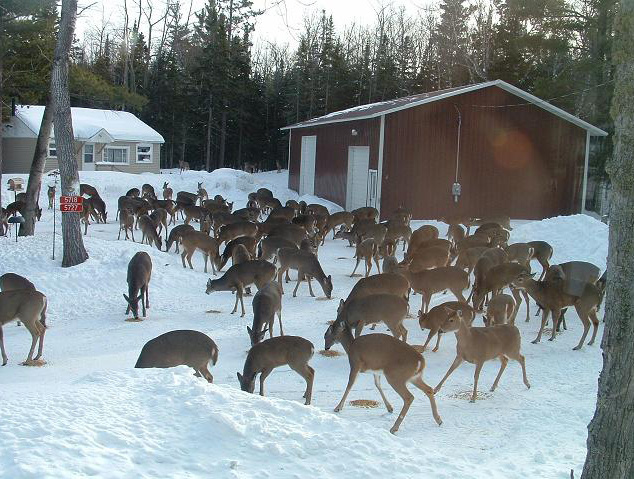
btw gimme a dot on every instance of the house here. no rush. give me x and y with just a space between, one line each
478 150
104 140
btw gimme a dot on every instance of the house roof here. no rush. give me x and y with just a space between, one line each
374 110
103 126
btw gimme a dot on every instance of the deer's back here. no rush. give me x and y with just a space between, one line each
439 278
485 343
13 281
381 352
139 267
175 348
376 307
280 350
20 303
392 283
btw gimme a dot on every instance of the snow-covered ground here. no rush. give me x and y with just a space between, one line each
88 412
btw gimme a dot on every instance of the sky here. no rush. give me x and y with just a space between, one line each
281 23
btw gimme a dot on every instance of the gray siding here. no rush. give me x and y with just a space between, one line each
133 166
17 155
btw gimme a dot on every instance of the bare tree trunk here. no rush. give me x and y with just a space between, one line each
223 139
74 251
611 431
208 143
37 170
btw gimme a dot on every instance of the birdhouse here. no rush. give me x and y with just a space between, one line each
15 184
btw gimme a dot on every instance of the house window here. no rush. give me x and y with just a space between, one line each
52 149
115 154
89 153
144 153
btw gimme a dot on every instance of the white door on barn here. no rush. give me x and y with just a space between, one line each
307 166
357 184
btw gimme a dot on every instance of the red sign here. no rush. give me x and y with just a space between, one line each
71 204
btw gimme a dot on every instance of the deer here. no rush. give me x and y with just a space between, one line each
86 212
269 246
285 212
4 222
520 253
28 306
147 191
267 302
139 275
428 258
193 212
398 361
248 214
133 193
434 319
396 232
341 218
542 252
307 266
387 308
432 281
294 233
99 207
12 282
51 196
268 203
424 233
143 208
293 204
167 191
392 283
401 215
272 353
86 189
239 276
148 230
495 280
390 264
126 222
168 205
202 193
235 230
129 202
159 217
198 240
500 310
476 345
366 250
248 242
183 166
317 209
455 233
365 213
503 221
176 235
468 258
183 347
552 298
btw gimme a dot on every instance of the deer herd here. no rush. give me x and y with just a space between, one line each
266 239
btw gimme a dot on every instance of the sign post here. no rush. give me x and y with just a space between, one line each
71 204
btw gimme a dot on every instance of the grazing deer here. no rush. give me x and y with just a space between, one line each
478 345
167 191
434 319
386 308
159 217
139 275
239 276
390 283
468 258
366 250
341 218
147 191
542 252
86 213
143 208
99 207
422 234
13 282
307 266
500 310
148 230
400 363
272 353
266 303
248 242
29 306
176 235
198 240
133 193
86 189
202 193
183 165
183 347
432 281
126 222
550 295
51 196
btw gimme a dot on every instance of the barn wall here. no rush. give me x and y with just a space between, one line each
519 161
331 161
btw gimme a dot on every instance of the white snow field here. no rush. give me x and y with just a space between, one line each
88 412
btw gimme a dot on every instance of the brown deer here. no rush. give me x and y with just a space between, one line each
432 281
400 363
235 230
365 213
266 303
147 191
427 258
248 242
396 232
269 246
500 310
193 212
477 345
424 233
133 193
455 233
294 233
520 253
139 275
307 266
202 193
148 230
386 308
272 353
198 240
183 347
12 282
552 298
183 165
285 212
434 319
86 189
51 196
495 280
341 218
99 207
159 217
366 250
167 191
29 306
176 235
391 283
239 276
126 222
468 258
542 252
87 212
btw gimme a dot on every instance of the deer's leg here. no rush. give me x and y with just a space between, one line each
279 279
183 257
5 359
143 302
263 375
595 325
517 305
308 374
476 376
279 318
429 392
310 287
401 388
376 262
119 237
432 333
147 296
556 315
357 329
132 233
35 335
299 280
437 342
377 383
518 302
240 293
189 258
355 267
541 328
40 347
456 362
206 257
458 294
503 362
354 371
586 327
206 374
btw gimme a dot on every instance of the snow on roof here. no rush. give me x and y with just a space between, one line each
373 110
89 123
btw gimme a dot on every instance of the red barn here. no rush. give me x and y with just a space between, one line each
478 150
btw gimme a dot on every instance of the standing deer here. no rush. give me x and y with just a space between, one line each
400 363
167 191
29 306
387 308
434 319
139 275
478 345
266 303
176 235
202 193
432 281
307 266
148 230
273 353
366 250
51 196
12 282
500 310
183 347
183 165
126 222
198 240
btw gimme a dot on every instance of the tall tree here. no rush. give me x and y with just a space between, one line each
74 251
611 431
